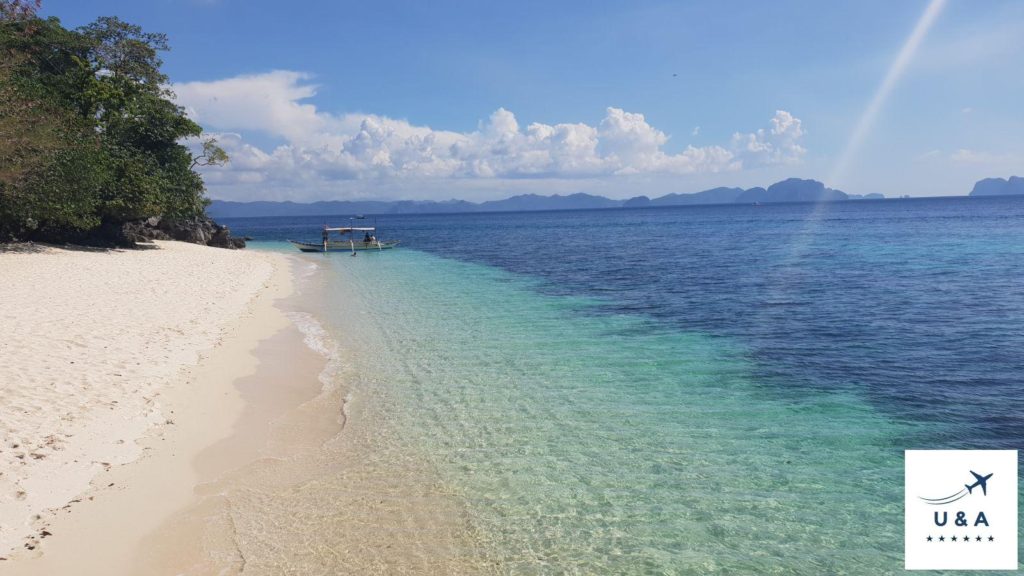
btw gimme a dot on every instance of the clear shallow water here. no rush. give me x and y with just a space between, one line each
697 390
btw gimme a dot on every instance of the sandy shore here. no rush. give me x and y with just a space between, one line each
226 432
109 356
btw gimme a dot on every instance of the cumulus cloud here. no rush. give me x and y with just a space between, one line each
780 144
317 146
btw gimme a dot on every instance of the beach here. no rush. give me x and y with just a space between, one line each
180 409
117 371
455 407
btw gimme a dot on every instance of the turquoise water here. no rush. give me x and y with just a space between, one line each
586 443
720 390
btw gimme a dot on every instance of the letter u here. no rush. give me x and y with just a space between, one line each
944 518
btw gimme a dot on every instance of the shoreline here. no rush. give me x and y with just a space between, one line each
279 456
191 395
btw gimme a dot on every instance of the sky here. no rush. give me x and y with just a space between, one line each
329 100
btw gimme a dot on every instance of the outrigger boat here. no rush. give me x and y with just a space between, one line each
369 241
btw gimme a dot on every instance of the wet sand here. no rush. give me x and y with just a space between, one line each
326 493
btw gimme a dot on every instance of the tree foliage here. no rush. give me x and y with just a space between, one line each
89 134
18 9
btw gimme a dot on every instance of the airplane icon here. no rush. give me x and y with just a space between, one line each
981 481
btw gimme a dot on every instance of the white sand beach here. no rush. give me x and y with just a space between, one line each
95 346
176 410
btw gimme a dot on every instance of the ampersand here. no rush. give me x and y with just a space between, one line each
960 519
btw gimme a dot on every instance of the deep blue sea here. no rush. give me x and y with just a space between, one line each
701 389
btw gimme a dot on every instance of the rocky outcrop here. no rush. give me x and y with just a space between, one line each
198 230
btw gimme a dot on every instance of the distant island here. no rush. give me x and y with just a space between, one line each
790 190
999 187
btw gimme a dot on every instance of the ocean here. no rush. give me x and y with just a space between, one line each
686 390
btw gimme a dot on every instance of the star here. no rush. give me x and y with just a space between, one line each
967 538
953 538
978 539
929 538
991 538
942 538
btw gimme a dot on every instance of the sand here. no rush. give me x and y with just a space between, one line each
99 359
224 433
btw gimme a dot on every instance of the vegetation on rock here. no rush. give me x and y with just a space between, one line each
90 137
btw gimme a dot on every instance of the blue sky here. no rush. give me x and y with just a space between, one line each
477 100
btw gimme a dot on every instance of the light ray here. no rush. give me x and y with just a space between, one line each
896 71
803 240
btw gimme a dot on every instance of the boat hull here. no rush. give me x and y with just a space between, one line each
334 246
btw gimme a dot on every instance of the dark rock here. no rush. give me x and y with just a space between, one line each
201 230
222 238
140 231
195 230
198 230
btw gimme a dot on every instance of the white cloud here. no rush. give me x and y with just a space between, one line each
966 156
779 145
320 148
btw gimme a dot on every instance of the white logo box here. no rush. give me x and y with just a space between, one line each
961 510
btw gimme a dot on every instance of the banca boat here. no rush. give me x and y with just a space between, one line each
352 243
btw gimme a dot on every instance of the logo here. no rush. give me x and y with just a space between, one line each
961 510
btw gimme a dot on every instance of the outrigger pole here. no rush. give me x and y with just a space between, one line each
352 236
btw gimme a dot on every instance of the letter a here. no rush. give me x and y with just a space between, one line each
981 519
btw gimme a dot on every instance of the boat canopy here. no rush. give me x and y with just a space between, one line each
349 229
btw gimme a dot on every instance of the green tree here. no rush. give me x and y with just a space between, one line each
18 9
89 133
213 155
